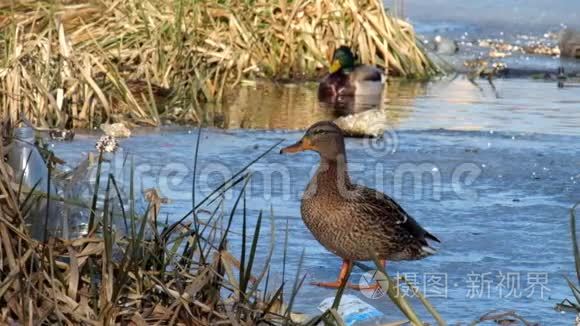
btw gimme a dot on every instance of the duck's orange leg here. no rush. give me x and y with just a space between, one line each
370 287
343 275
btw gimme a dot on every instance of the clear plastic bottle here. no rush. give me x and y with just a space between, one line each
29 168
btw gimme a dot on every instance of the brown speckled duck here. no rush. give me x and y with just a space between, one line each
350 220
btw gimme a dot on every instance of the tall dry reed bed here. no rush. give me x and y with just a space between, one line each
180 274
85 62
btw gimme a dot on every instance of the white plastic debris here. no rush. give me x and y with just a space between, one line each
352 310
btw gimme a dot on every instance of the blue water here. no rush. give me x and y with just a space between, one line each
515 22
530 16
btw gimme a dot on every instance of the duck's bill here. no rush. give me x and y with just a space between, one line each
300 146
334 67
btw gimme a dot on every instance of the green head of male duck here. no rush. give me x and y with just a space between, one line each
343 58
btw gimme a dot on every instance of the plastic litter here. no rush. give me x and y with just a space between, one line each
353 310
28 165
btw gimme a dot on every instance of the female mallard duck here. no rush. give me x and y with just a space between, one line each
346 78
353 221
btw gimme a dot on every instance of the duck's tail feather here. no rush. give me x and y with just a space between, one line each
427 250
431 237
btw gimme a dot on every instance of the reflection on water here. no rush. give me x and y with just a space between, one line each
268 106
524 105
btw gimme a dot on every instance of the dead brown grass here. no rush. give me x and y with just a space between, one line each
183 275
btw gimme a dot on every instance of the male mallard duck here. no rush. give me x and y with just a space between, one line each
346 78
350 220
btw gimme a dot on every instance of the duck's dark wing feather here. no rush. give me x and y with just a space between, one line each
392 214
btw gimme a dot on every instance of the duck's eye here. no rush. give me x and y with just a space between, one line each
318 132
322 132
